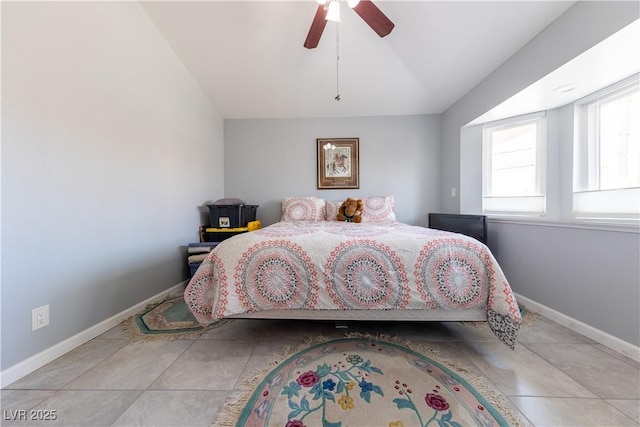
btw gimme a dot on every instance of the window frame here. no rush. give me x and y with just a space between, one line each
589 201
516 205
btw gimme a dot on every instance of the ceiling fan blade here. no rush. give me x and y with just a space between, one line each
374 17
317 27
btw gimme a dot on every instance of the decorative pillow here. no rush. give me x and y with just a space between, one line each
378 209
302 209
331 209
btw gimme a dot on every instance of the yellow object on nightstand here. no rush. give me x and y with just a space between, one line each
226 230
254 225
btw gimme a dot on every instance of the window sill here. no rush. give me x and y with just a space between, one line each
620 227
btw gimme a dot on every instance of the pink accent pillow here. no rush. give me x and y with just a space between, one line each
302 209
331 209
375 209
378 209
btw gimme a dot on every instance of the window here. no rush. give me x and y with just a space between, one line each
607 153
514 166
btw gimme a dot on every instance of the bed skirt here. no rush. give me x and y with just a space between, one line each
434 315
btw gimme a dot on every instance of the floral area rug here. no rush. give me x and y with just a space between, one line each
169 319
366 381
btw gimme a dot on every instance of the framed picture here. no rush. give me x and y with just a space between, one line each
338 163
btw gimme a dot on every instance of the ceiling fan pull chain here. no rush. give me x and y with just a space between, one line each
337 98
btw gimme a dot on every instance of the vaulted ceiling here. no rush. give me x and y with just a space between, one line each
249 59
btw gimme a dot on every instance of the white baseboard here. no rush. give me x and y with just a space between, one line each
588 331
21 369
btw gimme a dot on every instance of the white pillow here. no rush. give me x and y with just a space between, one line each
302 209
378 209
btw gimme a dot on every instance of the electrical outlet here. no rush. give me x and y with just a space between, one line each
39 317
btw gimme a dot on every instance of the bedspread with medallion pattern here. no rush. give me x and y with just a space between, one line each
332 265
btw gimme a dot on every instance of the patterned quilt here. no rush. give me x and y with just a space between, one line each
332 265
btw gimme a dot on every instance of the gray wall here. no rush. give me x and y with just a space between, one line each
590 274
108 148
266 160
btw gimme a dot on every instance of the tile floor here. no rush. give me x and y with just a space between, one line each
555 377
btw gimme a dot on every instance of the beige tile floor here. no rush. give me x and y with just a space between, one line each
555 377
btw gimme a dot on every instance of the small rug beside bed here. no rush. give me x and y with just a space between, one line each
365 381
167 320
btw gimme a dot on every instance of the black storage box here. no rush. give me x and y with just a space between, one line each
469 225
231 216
215 235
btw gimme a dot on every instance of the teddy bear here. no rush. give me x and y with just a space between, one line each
350 210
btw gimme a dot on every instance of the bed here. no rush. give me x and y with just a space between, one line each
307 267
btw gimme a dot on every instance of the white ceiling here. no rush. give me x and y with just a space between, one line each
249 57
610 61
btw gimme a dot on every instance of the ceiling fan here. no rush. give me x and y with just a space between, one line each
329 10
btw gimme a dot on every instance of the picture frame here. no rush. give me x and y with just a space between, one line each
338 163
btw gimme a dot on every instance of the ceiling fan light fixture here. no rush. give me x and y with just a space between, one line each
333 11
329 10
